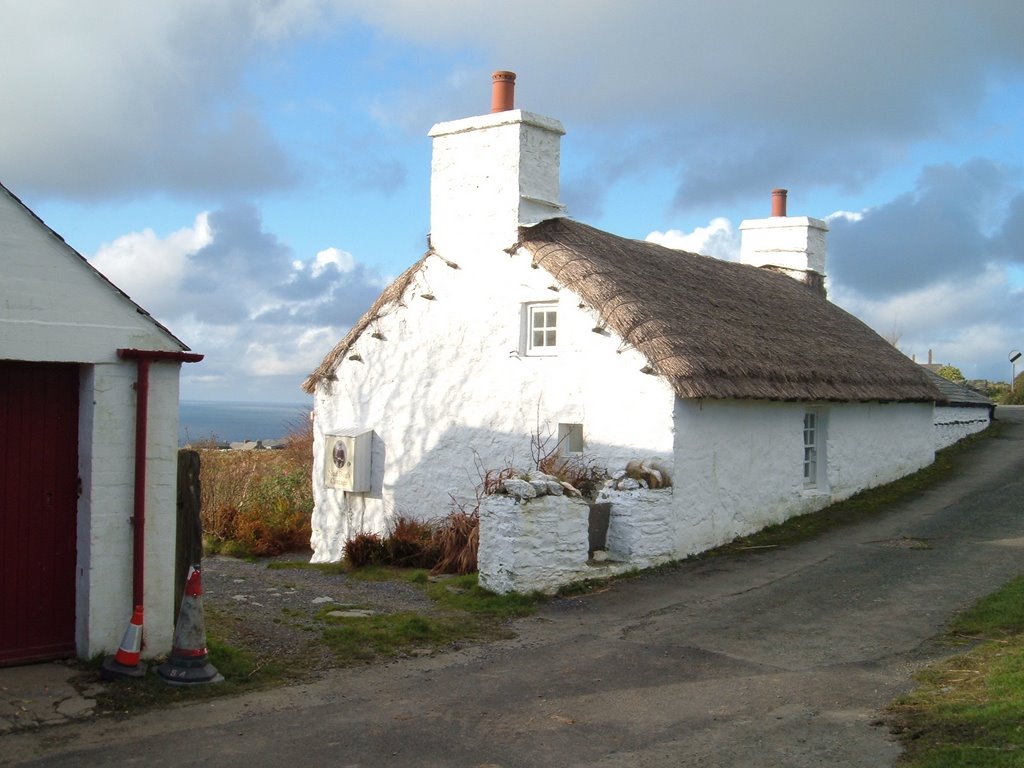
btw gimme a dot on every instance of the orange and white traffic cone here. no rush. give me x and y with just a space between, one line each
125 663
189 663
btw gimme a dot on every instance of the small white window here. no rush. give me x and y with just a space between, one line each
541 329
570 439
810 448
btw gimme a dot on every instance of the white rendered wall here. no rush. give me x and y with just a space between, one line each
739 465
954 423
105 532
793 242
445 388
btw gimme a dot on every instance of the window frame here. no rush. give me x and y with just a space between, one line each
815 436
529 311
567 431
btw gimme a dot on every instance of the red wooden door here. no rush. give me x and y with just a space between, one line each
38 505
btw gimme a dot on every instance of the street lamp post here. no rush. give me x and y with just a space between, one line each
1014 357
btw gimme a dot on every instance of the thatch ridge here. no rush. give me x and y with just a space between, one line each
718 329
391 297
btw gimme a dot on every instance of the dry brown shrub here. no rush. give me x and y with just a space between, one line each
364 549
410 543
457 538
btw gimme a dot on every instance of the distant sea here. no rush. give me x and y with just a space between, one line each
231 422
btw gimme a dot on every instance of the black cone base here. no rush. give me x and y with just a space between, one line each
112 669
178 671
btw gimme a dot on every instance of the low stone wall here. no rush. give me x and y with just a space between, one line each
541 544
640 529
532 546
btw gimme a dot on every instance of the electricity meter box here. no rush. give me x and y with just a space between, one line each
347 460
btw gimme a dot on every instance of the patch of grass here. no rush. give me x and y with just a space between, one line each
388 635
463 593
304 565
464 612
997 615
854 509
966 710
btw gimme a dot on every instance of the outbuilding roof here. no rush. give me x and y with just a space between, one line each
712 328
952 393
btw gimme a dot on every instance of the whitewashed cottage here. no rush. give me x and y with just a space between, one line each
755 396
87 501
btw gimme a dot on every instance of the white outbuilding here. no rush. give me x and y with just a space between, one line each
88 453
752 396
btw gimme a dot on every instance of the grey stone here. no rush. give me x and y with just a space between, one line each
519 488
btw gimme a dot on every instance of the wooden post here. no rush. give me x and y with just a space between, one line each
189 544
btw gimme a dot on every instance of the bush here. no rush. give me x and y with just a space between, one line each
259 501
448 545
457 537
365 549
410 543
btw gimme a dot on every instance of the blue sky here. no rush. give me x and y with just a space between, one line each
253 173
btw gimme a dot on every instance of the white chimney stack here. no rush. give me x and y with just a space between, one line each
791 244
492 174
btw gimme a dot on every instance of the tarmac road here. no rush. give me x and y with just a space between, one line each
781 658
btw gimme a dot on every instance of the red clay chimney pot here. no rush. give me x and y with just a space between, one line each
503 91
779 202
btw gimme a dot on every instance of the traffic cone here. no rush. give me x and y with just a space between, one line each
125 663
188 663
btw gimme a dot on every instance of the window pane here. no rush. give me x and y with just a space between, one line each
538 338
551 338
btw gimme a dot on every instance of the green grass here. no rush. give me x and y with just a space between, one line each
463 611
968 711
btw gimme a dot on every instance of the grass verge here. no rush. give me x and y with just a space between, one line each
966 711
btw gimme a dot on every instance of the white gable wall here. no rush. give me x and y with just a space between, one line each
447 388
739 464
55 308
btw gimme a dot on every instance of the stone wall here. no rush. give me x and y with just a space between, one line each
641 531
532 546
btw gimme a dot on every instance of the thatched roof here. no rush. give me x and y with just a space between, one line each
712 328
717 329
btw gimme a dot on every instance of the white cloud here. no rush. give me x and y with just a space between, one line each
717 239
969 323
235 293
341 259
149 268
853 216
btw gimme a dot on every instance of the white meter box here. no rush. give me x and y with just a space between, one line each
347 460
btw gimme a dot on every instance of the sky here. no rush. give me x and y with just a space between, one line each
254 172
